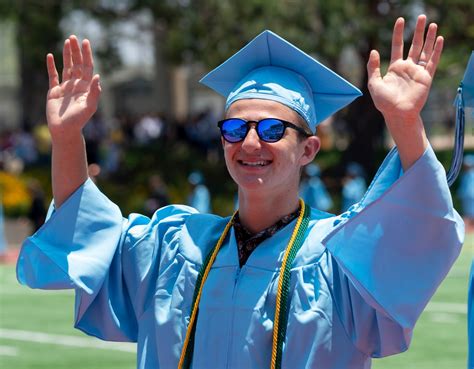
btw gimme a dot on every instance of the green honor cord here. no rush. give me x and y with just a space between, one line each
282 299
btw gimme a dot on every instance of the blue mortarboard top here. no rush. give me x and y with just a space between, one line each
271 68
464 98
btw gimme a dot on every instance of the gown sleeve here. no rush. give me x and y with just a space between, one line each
394 249
88 246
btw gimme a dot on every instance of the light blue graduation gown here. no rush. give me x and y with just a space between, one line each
358 283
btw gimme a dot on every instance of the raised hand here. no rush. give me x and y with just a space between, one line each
401 94
71 103
403 91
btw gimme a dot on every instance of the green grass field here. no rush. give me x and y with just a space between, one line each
439 339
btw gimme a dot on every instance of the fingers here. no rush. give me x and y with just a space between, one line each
77 63
373 66
435 56
424 51
429 42
52 71
421 47
67 60
94 92
76 54
417 43
397 40
428 48
88 66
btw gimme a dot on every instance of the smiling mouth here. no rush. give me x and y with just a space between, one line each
260 163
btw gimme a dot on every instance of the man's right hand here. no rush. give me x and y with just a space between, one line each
71 103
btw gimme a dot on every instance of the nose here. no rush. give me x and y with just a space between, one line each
251 142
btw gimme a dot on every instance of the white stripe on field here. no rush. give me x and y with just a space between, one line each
444 318
8 351
447 307
63 340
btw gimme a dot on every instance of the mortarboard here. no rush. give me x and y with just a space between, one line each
271 68
464 98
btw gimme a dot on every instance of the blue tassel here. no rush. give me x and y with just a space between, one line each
456 161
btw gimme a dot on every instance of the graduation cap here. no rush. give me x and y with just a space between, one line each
271 68
464 98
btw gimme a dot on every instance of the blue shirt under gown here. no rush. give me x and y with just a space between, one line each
358 284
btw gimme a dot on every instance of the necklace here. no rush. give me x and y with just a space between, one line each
282 300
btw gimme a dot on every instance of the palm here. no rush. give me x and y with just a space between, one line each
71 103
404 89
67 103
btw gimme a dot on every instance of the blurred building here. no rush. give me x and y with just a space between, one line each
146 83
9 79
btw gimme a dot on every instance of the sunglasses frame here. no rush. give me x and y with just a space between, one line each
248 123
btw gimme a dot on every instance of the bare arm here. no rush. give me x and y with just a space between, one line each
69 106
401 94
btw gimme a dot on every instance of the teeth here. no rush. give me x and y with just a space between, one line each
255 163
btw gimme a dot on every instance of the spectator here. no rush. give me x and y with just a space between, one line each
200 198
466 191
312 189
354 185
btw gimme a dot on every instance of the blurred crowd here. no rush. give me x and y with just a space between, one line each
108 140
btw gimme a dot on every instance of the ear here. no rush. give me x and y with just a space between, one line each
311 147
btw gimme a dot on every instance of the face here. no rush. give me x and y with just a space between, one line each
257 165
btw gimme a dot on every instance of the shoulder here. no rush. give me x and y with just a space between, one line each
171 217
175 229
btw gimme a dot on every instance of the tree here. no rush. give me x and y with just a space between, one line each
209 31
326 29
37 32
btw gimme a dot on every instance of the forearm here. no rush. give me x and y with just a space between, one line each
68 167
409 136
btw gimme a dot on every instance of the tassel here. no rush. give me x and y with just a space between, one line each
456 161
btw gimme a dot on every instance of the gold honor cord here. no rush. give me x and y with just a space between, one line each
281 310
282 301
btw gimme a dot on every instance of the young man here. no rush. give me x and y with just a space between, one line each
279 284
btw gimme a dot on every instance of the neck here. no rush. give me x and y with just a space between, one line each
257 211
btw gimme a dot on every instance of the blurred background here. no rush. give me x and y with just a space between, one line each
154 138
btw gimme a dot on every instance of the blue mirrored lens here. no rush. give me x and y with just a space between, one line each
271 130
234 130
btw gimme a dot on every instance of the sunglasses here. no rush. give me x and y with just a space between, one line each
269 129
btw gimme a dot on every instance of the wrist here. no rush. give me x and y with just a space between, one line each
66 140
410 138
403 121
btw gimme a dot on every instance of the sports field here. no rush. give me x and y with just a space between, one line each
36 329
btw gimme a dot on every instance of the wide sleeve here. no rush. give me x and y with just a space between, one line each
391 252
88 246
